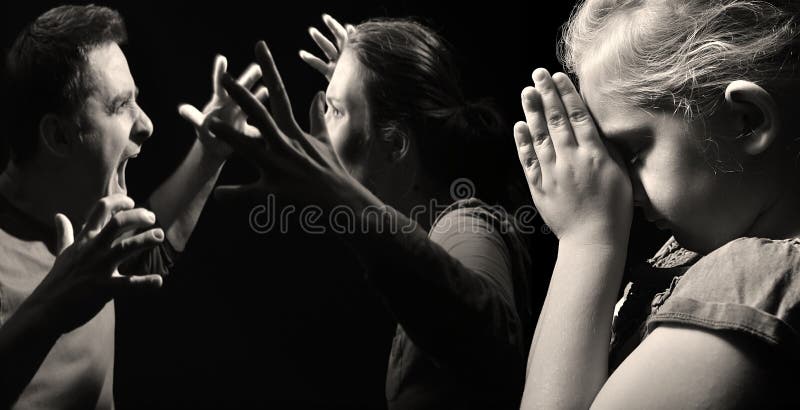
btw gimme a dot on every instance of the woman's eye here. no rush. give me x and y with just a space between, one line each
334 111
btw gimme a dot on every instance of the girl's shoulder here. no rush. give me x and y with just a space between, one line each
749 285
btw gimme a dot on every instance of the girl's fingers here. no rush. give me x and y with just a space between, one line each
527 157
554 112
537 127
580 120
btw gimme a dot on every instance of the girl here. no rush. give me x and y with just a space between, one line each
398 128
686 110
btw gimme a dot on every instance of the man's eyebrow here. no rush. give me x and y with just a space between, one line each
124 96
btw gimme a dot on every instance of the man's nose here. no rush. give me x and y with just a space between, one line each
142 128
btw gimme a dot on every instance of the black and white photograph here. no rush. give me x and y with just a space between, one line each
400 205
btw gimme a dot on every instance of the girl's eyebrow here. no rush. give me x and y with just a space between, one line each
621 134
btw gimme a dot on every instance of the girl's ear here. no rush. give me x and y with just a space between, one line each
757 113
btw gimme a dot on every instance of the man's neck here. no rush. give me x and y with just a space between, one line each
41 192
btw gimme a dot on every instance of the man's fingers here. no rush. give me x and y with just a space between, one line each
192 114
262 94
103 210
132 246
249 147
64 233
220 67
120 284
123 222
250 76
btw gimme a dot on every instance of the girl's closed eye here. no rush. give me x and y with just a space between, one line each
632 154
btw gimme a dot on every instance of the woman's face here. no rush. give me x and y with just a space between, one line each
347 116
670 165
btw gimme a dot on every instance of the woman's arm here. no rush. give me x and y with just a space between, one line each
453 293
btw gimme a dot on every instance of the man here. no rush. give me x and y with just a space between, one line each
76 125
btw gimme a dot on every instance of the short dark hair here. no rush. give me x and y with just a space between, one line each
46 69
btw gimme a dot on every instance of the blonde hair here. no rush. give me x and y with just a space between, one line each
682 54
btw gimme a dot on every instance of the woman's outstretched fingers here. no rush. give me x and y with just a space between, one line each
554 112
527 156
315 62
279 100
324 44
578 114
537 126
337 29
256 112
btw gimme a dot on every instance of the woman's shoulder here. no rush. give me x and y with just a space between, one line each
749 285
473 216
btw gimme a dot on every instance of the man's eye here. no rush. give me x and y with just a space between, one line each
124 105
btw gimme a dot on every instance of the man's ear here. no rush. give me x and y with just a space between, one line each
757 114
53 135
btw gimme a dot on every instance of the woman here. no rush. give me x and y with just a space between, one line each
399 132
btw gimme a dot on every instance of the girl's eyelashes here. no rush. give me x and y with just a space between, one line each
631 155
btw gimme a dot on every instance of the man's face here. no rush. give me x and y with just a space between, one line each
115 125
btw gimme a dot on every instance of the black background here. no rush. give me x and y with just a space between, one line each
281 320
